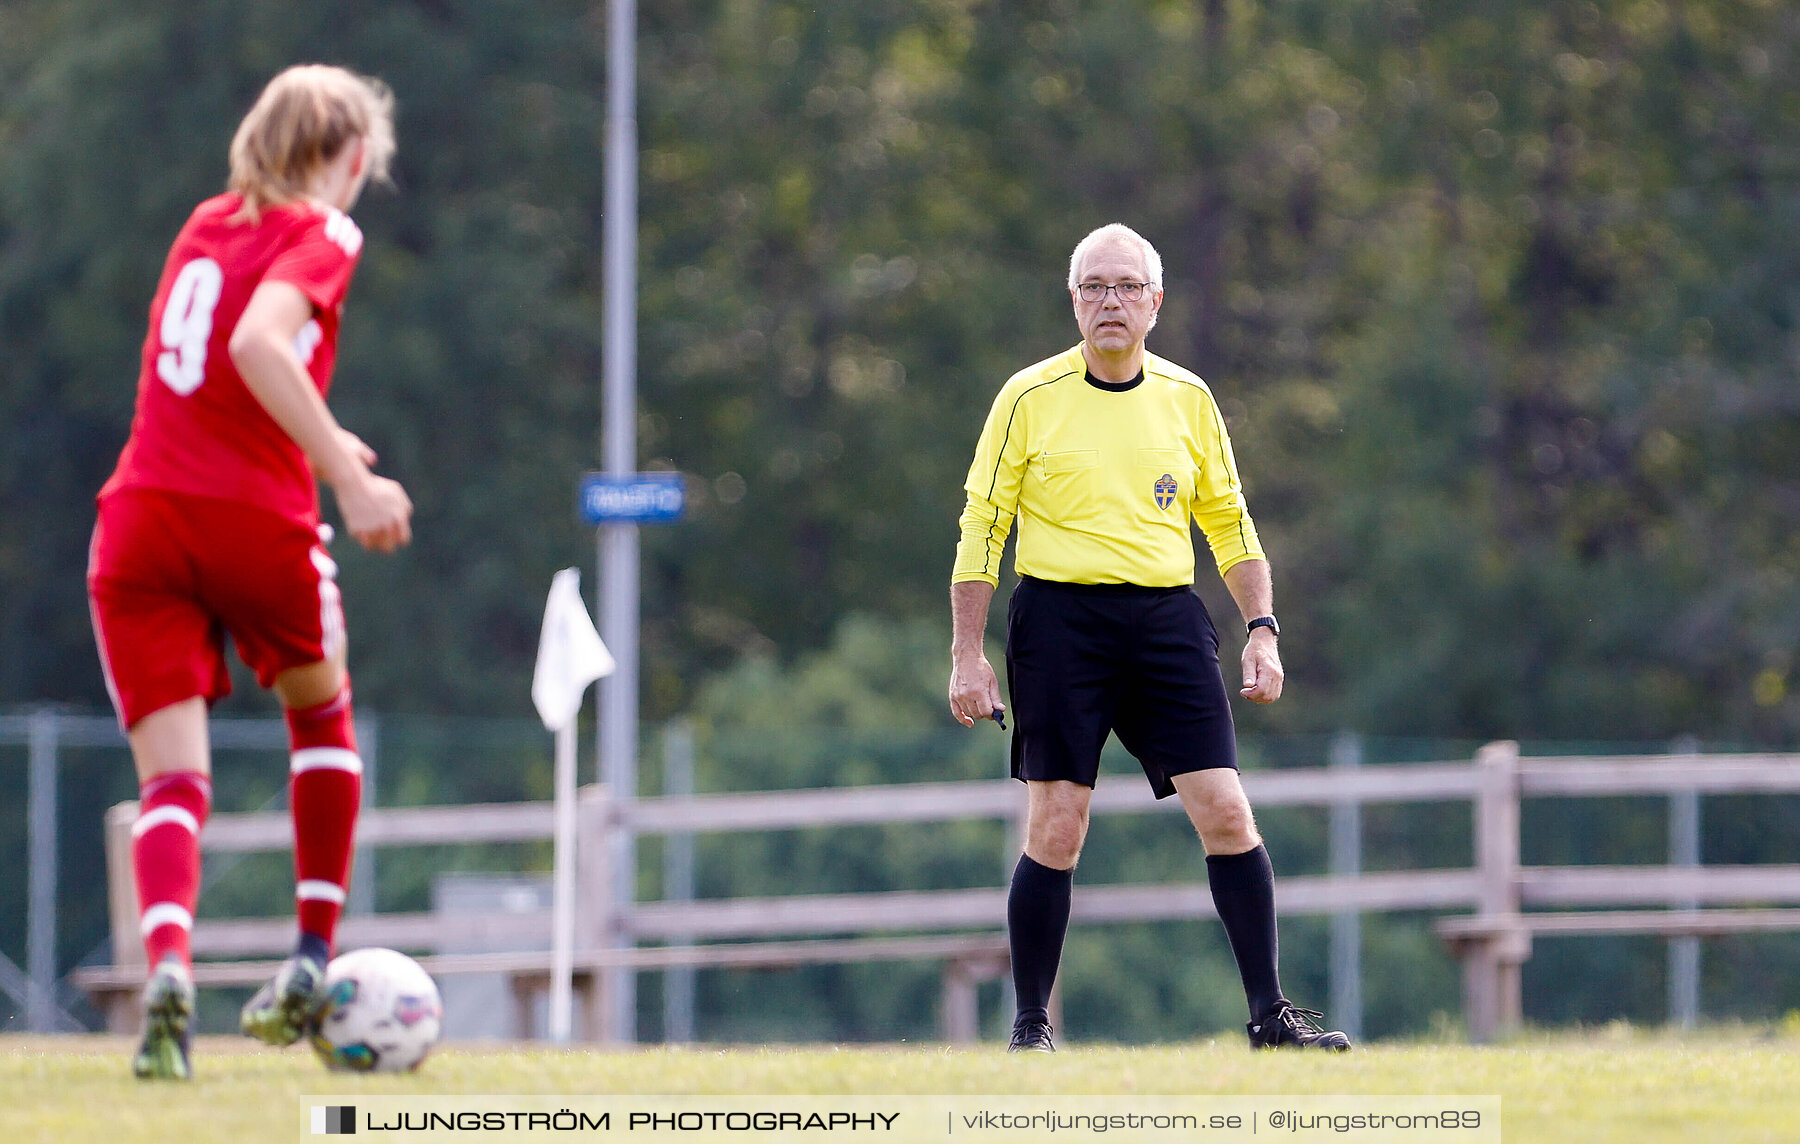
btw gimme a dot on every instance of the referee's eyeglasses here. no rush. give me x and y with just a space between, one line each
1127 291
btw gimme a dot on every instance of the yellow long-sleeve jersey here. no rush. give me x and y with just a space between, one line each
1103 479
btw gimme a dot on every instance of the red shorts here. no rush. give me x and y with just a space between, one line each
170 574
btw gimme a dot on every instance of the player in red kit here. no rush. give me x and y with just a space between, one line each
210 526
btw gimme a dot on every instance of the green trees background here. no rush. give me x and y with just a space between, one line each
1500 303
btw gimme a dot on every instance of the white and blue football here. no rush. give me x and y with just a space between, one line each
381 1013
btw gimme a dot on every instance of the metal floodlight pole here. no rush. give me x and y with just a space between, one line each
618 542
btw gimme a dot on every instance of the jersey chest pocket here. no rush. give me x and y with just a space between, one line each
1072 486
1056 464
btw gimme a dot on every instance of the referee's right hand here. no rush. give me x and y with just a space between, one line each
974 690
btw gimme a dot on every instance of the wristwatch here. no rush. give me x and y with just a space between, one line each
1262 622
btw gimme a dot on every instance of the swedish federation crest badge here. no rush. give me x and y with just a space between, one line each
1165 491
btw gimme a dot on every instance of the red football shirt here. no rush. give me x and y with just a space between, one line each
198 429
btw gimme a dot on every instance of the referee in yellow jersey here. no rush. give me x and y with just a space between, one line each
1102 454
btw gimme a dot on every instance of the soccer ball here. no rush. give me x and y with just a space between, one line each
381 1013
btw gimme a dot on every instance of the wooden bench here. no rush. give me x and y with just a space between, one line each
244 952
968 960
1493 947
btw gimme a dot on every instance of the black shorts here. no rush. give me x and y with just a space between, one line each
1085 659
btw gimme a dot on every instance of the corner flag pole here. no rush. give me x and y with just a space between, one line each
571 655
562 906
618 542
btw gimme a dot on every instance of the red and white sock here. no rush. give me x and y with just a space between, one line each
165 857
324 791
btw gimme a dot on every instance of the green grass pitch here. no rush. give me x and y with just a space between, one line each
1736 1084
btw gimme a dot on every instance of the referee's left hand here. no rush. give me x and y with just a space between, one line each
1262 668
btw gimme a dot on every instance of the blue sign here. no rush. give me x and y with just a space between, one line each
640 498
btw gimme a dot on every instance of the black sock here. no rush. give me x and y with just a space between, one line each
1037 918
1243 889
313 946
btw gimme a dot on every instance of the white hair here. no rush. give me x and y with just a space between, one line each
1117 231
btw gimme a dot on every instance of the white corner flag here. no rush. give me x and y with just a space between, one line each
570 654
